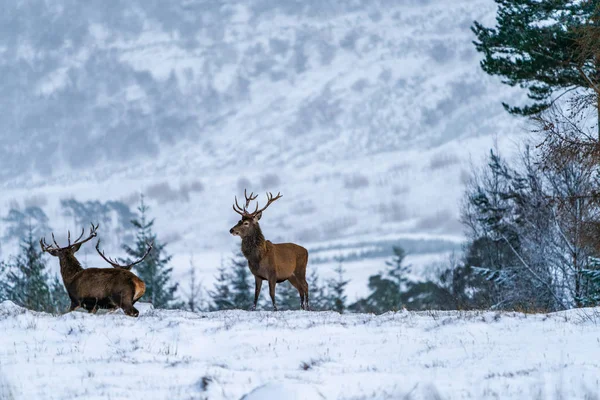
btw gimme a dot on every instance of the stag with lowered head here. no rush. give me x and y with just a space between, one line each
95 288
268 261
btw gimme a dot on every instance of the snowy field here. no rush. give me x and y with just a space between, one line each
299 355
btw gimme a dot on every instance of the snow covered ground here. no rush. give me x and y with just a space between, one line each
299 355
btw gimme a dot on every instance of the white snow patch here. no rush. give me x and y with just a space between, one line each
231 354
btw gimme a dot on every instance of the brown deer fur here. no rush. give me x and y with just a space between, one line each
268 261
95 288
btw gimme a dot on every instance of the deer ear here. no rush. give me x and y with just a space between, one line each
257 217
52 252
75 248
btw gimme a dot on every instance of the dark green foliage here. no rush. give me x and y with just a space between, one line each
286 295
222 295
3 283
317 297
154 270
336 289
592 277
397 271
386 287
27 278
242 282
59 298
234 285
534 46
194 293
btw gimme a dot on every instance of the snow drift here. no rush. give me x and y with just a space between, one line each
298 355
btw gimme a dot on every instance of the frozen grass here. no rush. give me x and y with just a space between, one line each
228 355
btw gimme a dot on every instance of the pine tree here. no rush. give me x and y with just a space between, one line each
336 288
154 270
386 287
397 271
27 279
3 281
241 287
317 298
222 296
592 275
60 299
194 294
535 46
287 296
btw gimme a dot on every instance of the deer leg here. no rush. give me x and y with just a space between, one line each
272 283
125 301
94 309
257 287
305 289
74 305
129 309
296 283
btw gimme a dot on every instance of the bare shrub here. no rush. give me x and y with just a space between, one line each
204 382
442 160
313 362
356 181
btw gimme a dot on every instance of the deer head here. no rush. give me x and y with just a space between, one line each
72 248
249 222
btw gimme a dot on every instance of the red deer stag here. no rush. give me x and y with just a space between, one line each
274 263
95 288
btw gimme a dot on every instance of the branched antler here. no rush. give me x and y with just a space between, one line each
115 264
54 247
243 210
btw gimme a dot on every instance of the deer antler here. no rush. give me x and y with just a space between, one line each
270 199
117 265
46 247
240 210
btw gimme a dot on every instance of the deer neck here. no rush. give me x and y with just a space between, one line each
69 267
254 247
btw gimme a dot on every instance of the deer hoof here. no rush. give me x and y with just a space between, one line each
252 308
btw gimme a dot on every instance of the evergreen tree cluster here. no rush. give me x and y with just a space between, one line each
234 289
535 44
154 270
25 280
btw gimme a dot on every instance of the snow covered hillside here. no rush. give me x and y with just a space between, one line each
365 115
299 355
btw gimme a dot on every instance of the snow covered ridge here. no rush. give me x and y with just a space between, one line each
299 355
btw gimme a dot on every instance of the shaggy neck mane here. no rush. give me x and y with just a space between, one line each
254 246
69 266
